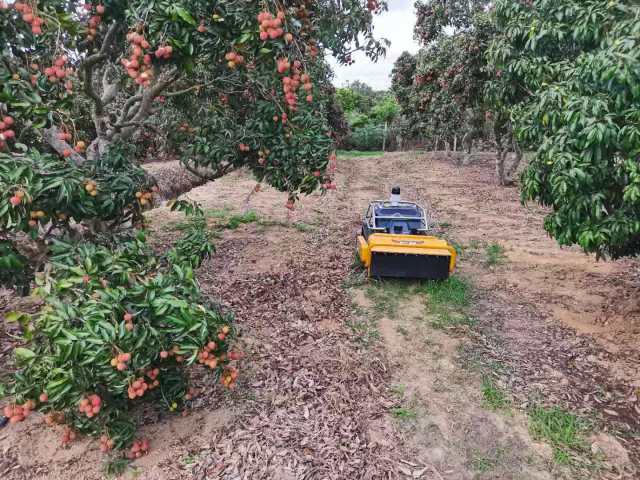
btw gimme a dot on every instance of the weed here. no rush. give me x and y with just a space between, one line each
398 390
217 213
483 463
114 467
404 413
303 227
357 275
563 430
474 244
494 254
445 319
447 302
365 330
494 397
444 225
386 295
236 220
452 292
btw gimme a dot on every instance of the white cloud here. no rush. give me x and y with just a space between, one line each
395 25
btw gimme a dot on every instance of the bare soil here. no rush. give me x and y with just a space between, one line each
333 388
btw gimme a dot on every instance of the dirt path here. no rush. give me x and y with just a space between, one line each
346 379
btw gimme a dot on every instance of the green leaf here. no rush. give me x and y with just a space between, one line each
23 354
185 15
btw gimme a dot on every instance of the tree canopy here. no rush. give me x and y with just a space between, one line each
568 74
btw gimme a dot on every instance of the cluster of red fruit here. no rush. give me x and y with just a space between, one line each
106 444
17 413
244 147
283 116
233 59
91 187
223 332
57 72
270 27
291 83
16 199
119 362
164 354
229 377
29 17
138 65
138 449
90 405
139 387
145 198
5 131
68 436
207 357
94 20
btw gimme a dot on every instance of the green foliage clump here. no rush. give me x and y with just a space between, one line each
103 302
567 72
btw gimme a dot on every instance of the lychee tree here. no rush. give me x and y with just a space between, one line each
440 89
570 81
81 83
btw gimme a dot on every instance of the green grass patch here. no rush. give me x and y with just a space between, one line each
386 295
303 227
495 398
485 462
358 153
494 253
365 330
447 302
114 467
236 220
404 413
562 429
453 292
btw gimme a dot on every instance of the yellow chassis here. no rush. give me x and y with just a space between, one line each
404 244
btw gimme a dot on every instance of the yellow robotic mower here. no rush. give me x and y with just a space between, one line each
395 242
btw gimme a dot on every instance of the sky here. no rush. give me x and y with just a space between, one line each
395 25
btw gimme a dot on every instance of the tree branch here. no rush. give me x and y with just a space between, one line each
51 136
91 61
142 111
109 90
127 106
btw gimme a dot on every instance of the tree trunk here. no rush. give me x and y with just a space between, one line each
500 155
455 143
516 160
384 136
